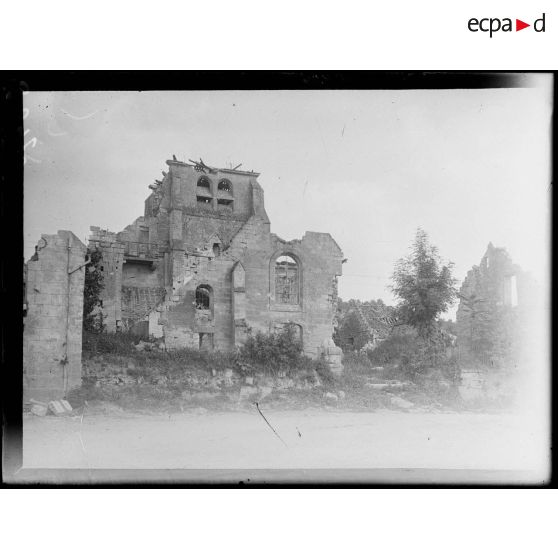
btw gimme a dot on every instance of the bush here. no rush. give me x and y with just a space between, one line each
271 353
122 344
324 372
356 363
398 348
415 356
265 353
191 357
86 392
113 343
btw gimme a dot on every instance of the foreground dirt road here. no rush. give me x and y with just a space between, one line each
313 439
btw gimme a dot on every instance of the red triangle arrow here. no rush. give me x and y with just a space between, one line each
519 25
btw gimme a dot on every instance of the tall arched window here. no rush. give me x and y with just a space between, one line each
287 280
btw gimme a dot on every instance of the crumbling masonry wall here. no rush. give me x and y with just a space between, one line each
53 319
197 234
495 309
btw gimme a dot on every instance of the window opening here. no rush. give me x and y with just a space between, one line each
225 186
204 202
203 297
225 204
286 280
206 341
203 182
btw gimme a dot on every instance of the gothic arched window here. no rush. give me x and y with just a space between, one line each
287 280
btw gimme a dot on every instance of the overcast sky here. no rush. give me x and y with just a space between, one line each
369 167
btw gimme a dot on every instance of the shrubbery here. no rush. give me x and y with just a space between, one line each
400 345
116 343
272 352
415 355
93 286
268 353
122 344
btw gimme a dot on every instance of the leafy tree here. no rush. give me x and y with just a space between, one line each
448 325
424 286
94 284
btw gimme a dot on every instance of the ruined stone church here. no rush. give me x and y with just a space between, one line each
202 269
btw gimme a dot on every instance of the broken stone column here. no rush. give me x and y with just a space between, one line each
333 355
53 322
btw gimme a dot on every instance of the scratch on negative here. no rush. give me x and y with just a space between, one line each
25 157
79 117
55 134
259 411
80 426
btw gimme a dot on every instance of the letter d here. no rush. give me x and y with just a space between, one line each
535 25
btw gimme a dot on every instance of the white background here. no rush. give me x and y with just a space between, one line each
279 523
254 34
275 35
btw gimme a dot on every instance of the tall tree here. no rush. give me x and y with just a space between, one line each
424 285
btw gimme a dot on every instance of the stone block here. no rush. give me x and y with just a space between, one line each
59 407
39 408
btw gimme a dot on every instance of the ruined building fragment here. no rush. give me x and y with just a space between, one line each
201 267
494 309
364 324
53 312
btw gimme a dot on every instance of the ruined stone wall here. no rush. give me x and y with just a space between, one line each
138 302
111 263
134 274
137 274
494 309
201 232
250 303
193 232
52 332
143 230
182 322
319 260
203 244
185 178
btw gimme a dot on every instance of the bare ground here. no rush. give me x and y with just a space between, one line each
110 438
